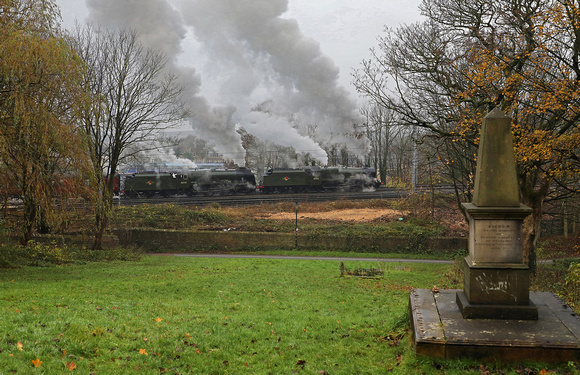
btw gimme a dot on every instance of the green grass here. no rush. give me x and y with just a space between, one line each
217 316
354 254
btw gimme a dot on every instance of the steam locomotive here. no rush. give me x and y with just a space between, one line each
316 179
208 182
199 182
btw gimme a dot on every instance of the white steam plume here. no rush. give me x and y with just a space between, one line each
269 126
258 55
252 40
161 27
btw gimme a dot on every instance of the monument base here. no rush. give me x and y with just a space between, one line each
496 291
471 311
439 330
496 283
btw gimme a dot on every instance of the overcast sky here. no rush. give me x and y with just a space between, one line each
293 56
345 29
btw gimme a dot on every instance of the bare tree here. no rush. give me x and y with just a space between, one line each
133 97
193 148
381 129
446 73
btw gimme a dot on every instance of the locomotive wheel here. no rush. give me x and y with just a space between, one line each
132 194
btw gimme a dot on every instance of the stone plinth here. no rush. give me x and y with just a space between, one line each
496 280
439 330
507 284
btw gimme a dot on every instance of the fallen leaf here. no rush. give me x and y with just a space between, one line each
399 357
143 351
158 319
19 345
71 366
301 362
484 370
36 363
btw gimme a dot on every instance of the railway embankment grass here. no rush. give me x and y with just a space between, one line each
371 226
428 226
242 316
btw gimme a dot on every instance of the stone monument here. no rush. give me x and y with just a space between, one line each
496 280
495 316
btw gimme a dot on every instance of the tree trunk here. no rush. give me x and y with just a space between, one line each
30 212
43 226
531 235
533 195
103 208
100 224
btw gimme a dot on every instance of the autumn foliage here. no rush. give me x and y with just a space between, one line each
38 93
445 74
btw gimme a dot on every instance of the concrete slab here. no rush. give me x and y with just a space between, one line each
439 330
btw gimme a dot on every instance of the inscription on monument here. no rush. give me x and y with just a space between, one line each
496 241
497 237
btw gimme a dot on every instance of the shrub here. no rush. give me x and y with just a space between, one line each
203 216
39 254
165 216
573 284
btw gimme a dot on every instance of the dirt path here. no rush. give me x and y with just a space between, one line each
357 215
292 257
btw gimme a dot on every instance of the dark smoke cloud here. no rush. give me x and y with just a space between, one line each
261 56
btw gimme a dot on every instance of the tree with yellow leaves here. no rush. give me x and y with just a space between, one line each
38 93
444 74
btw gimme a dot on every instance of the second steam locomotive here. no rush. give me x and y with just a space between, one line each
242 181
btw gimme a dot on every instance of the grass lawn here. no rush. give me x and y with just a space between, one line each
218 316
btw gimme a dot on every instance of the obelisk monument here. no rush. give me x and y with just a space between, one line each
496 279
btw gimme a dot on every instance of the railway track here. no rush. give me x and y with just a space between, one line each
251 199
